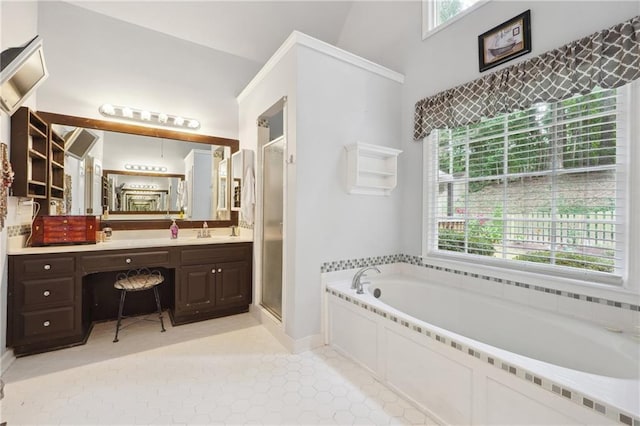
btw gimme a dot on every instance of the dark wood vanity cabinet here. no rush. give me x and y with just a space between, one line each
213 282
43 308
46 309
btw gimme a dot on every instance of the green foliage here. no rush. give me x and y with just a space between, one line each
451 240
573 260
535 139
447 9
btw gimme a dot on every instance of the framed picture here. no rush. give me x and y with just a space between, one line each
505 42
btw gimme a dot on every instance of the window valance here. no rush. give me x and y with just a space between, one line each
609 58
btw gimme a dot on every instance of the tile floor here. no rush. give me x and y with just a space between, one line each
224 371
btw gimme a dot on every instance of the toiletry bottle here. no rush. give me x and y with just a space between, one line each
107 232
205 230
174 229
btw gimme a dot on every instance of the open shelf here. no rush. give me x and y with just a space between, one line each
371 169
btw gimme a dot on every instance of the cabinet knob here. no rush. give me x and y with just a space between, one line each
213 271
46 293
220 270
47 267
46 323
128 260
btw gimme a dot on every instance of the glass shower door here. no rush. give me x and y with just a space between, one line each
273 197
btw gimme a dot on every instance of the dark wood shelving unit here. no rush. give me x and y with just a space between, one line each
56 163
37 155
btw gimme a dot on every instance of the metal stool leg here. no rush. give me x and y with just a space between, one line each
155 291
123 294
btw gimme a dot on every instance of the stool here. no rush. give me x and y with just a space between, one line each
138 280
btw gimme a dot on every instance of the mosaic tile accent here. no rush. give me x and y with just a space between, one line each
573 395
17 230
341 265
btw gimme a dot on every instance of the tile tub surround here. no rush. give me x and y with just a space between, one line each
604 311
537 374
224 371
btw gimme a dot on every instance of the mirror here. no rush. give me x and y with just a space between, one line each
131 193
142 177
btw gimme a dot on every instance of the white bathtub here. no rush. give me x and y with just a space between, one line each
473 359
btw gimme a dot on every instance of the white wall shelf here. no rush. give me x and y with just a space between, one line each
371 169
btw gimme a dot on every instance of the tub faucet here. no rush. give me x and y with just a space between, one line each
357 283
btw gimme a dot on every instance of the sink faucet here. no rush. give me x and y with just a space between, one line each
356 283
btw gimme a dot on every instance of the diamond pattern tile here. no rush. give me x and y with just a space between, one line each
227 371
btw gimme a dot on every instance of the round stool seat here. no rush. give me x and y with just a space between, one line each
138 282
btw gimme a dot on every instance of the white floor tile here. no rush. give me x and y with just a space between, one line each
227 371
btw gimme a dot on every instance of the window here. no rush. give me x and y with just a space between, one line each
545 186
436 13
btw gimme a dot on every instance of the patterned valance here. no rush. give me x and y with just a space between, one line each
606 59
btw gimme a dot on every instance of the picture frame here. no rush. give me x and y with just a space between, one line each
505 42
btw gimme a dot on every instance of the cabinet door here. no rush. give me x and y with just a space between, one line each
232 284
197 288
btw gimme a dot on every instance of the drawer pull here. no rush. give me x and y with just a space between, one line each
128 260
46 323
220 270
46 293
47 267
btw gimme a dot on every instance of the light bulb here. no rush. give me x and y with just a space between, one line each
145 115
178 121
127 112
162 118
108 109
193 124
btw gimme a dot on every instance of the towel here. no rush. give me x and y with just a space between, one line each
181 200
248 195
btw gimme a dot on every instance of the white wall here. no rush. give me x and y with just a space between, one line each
94 59
338 105
330 104
450 57
18 25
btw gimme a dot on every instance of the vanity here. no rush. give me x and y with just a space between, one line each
54 297
137 180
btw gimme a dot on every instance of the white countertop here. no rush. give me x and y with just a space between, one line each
135 239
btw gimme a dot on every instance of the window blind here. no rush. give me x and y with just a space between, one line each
544 185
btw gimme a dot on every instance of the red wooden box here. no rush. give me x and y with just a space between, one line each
59 230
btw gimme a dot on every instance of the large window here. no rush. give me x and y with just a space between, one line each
437 13
544 187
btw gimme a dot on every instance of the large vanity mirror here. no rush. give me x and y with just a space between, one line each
141 177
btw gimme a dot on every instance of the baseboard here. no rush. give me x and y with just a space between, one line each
7 359
277 330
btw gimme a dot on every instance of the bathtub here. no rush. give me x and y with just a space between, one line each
468 358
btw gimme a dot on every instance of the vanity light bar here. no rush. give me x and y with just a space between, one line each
145 116
143 168
140 186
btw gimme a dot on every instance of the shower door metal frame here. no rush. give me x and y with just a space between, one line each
283 225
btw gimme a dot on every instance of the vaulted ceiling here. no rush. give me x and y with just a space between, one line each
249 29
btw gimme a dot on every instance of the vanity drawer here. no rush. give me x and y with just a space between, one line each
213 254
47 322
123 261
45 266
46 291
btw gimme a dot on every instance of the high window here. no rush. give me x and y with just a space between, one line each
437 13
539 189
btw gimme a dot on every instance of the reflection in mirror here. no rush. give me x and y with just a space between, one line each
146 177
130 192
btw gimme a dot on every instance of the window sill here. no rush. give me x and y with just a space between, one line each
613 290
